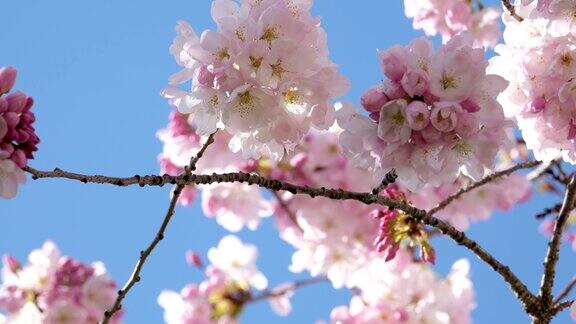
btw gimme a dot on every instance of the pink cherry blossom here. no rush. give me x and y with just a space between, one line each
66 290
540 96
264 75
445 123
451 17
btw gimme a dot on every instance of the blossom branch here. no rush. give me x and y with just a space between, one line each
521 291
284 205
272 293
512 10
552 255
566 291
144 254
562 306
485 180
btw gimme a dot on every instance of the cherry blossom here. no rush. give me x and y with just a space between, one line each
440 119
222 295
52 288
451 17
540 96
237 261
264 75
409 292
573 311
18 139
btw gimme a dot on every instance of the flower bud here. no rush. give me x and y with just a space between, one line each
7 79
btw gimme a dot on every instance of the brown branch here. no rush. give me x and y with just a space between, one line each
485 180
552 255
144 254
389 179
562 306
511 10
526 298
284 205
566 291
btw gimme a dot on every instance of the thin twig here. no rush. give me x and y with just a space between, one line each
284 205
566 291
486 180
548 211
272 293
562 306
511 10
527 299
554 245
524 295
144 254
389 179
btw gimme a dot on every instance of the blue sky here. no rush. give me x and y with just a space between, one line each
95 69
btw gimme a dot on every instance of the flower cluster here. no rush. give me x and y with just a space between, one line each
336 238
222 295
451 17
409 292
233 205
264 75
52 289
541 94
434 118
18 139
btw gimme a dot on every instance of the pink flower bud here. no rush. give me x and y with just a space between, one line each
373 99
415 82
11 263
470 106
418 115
193 259
3 128
16 101
394 62
393 90
537 105
7 79
444 116
205 77
19 157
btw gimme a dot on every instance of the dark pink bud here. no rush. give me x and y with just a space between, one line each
3 128
7 79
3 105
193 259
373 99
537 105
12 119
11 263
19 157
205 77
470 106
16 101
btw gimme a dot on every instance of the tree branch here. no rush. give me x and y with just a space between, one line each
284 205
566 291
527 299
144 254
271 293
485 180
554 245
511 10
